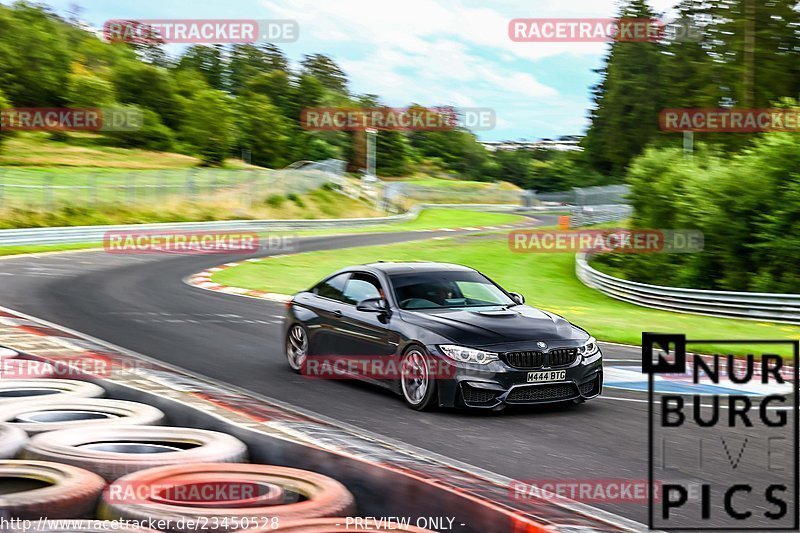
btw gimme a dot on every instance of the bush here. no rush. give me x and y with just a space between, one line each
276 200
296 199
59 136
152 135
747 207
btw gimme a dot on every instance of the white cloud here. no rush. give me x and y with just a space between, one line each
439 52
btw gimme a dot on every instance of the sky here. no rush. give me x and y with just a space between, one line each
429 52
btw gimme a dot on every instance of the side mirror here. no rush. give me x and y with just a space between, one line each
517 297
372 305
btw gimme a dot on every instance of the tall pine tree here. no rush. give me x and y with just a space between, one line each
627 99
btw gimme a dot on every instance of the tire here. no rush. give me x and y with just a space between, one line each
12 440
324 497
81 526
81 412
15 368
49 490
16 390
69 446
296 341
415 362
331 525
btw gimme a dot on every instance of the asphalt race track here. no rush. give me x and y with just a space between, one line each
140 303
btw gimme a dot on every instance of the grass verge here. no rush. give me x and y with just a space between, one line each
316 204
547 280
85 151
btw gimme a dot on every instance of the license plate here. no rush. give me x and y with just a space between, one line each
549 375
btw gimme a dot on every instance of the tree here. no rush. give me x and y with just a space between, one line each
326 71
626 101
276 86
249 60
207 60
307 92
4 104
150 87
87 90
34 56
262 130
208 126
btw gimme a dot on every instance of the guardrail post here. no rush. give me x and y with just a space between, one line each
188 185
93 188
48 193
131 181
253 191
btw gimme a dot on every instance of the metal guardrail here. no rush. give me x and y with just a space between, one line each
597 214
770 307
600 195
95 234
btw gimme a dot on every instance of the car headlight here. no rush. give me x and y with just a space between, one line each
590 352
468 355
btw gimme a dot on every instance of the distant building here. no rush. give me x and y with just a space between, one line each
565 143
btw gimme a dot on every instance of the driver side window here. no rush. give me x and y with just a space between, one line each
361 287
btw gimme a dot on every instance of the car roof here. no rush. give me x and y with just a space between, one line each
404 267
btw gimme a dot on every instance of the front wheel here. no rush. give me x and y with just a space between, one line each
416 382
296 347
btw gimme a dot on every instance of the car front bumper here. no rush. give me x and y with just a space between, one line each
497 385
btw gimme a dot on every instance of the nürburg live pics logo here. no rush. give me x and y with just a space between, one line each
723 434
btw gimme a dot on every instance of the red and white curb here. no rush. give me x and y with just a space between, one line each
202 280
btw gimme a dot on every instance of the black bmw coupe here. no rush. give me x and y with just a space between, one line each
439 335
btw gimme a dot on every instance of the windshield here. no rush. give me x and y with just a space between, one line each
436 290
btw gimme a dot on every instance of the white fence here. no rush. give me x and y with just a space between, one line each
45 190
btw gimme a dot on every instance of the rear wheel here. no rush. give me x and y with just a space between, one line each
296 347
416 382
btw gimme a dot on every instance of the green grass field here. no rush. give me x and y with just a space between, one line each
88 151
440 218
547 281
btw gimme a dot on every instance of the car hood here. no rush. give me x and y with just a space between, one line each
496 325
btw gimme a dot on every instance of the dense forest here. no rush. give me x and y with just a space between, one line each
216 101
741 189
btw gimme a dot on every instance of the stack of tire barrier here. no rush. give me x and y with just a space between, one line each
66 452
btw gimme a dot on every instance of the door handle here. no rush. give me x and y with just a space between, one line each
337 314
